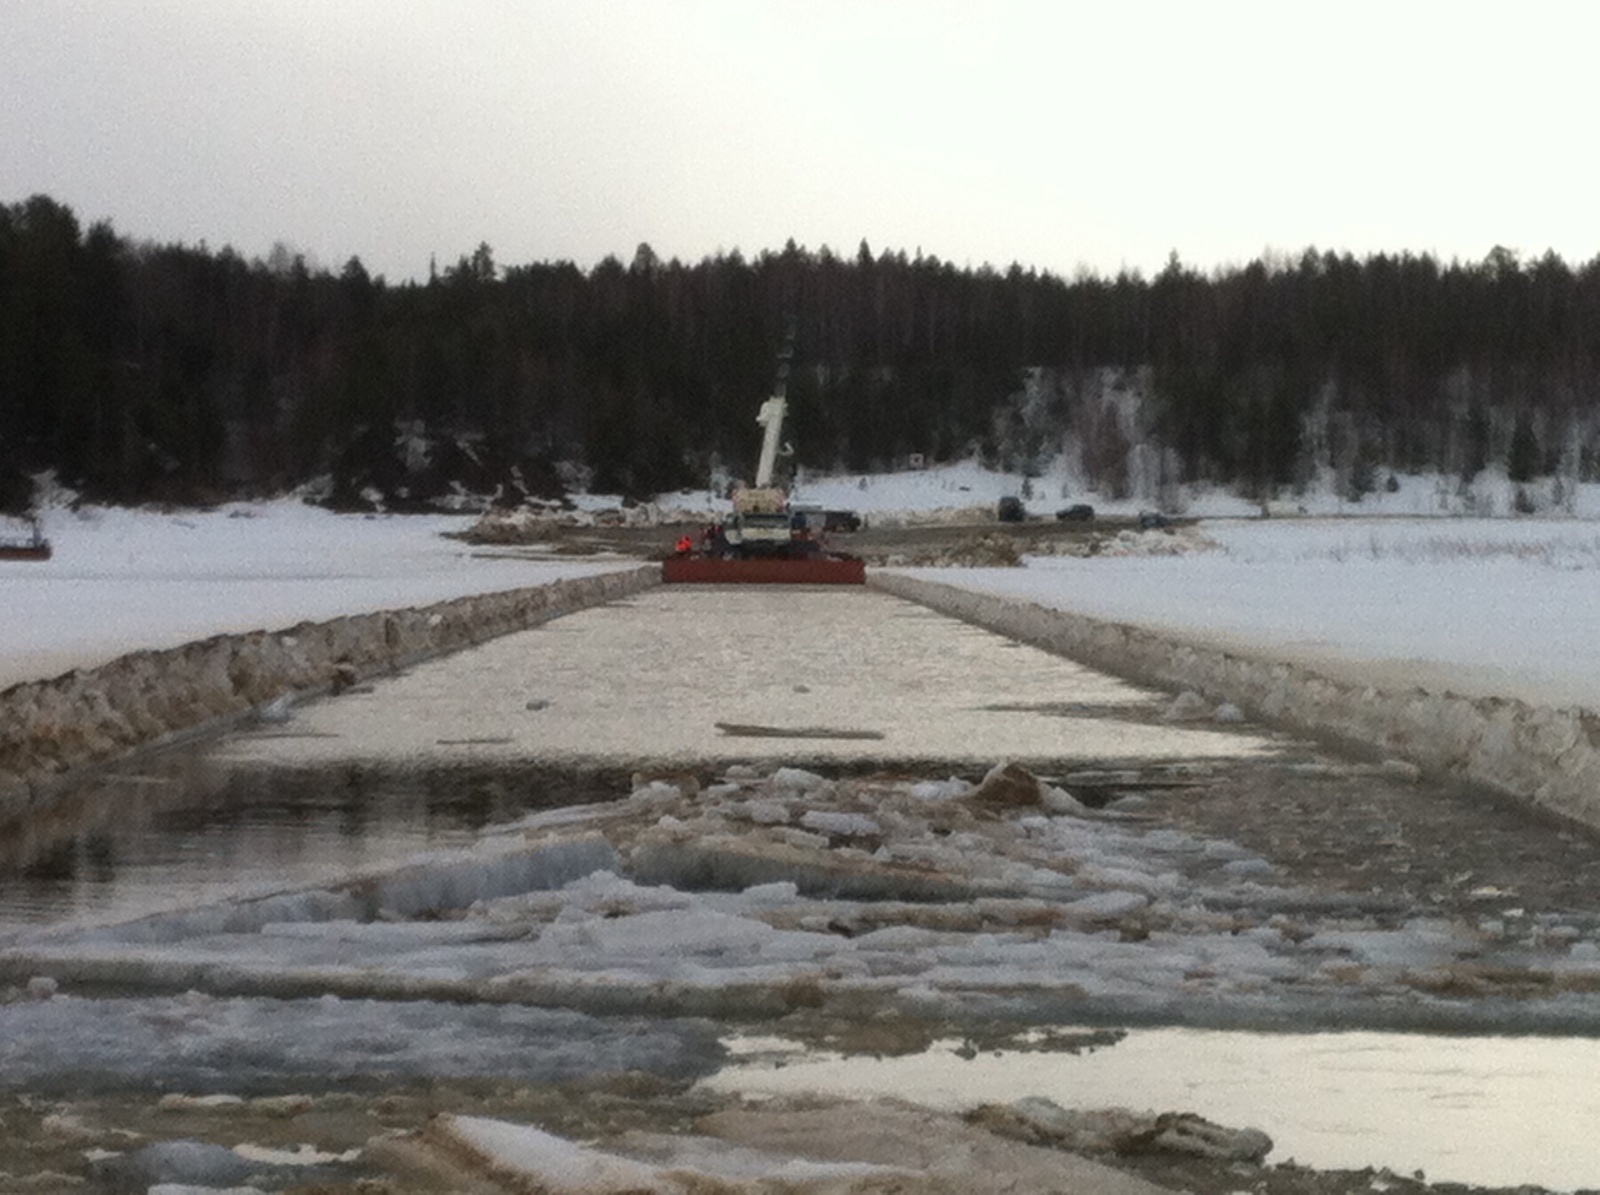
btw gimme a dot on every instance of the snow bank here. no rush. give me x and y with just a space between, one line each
150 697
1548 756
123 579
1489 608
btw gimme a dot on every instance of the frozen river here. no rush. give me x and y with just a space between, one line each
689 688
713 674
686 677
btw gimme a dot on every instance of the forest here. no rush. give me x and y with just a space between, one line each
173 373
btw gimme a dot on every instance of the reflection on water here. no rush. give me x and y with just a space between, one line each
183 829
1500 1111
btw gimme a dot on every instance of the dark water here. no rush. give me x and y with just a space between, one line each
179 829
185 827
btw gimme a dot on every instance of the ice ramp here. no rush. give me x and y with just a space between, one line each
707 570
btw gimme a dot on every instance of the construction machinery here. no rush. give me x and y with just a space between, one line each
765 539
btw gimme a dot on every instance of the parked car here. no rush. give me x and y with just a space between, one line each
1152 520
841 520
1078 512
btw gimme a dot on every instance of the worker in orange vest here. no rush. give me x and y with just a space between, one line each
684 546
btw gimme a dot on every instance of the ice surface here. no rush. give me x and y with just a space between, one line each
941 790
654 1162
712 1156
198 1043
797 778
842 825
192 1164
558 1165
660 677
1105 906
456 881
1417 944
765 813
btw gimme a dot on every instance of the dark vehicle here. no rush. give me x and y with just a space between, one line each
1011 510
841 520
1153 520
1077 513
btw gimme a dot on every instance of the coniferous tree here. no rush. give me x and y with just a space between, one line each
169 370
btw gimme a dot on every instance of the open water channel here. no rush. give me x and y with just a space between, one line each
182 829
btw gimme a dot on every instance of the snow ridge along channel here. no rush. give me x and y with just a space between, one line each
153 698
1546 756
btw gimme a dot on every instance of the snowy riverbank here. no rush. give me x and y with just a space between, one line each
125 580
1486 607
1491 608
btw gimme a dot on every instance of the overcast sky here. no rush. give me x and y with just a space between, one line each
1051 133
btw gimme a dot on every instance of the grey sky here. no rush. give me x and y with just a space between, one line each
1056 134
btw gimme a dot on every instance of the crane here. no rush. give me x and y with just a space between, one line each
763 540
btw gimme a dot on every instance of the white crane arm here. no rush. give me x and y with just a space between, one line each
771 418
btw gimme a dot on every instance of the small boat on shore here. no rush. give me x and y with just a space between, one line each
33 546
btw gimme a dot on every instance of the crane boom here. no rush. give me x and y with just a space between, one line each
771 418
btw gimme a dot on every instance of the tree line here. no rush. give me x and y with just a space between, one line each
144 371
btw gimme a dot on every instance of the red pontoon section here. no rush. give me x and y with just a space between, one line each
25 551
758 570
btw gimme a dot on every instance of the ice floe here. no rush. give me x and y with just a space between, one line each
851 1147
681 902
